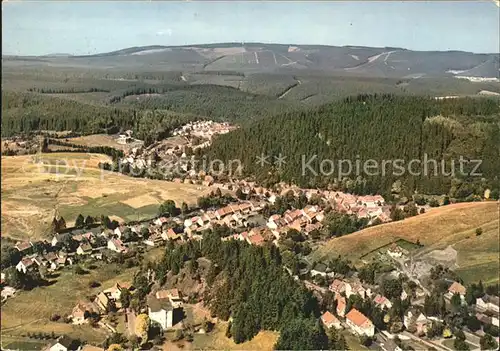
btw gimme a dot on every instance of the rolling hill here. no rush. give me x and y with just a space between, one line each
259 57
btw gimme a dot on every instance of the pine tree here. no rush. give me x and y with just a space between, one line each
80 221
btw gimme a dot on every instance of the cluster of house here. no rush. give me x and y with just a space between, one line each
354 319
370 207
305 220
105 301
163 307
486 307
203 129
33 261
238 215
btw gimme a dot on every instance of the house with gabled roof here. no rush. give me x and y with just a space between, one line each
330 321
170 234
103 301
161 221
382 302
64 343
23 246
173 295
256 239
487 303
359 323
84 249
25 265
416 321
337 286
341 305
321 269
82 311
456 288
160 311
116 245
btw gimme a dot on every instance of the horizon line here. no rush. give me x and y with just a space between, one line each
242 44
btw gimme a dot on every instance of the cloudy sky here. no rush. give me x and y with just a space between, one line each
87 27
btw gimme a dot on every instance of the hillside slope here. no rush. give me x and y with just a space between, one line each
453 225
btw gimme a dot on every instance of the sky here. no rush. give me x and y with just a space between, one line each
89 27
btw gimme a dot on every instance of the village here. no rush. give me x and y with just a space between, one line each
172 151
352 298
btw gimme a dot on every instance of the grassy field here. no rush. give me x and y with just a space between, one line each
453 225
72 183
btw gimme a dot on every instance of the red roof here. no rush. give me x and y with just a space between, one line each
21 246
329 319
358 318
379 299
337 286
457 288
256 239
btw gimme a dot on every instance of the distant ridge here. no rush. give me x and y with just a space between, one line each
255 57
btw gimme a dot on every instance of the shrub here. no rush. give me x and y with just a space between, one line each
479 231
55 317
94 284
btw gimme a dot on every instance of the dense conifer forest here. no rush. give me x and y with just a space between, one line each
250 284
378 127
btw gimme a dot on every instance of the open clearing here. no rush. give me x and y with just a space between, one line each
72 183
100 140
452 225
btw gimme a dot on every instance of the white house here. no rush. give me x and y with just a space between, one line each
395 251
161 311
119 231
359 323
84 249
488 303
382 302
322 270
161 221
115 292
63 343
25 264
116 245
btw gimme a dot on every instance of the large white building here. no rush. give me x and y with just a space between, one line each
161 311
359 323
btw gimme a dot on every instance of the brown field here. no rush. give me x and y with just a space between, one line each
31 193
453 225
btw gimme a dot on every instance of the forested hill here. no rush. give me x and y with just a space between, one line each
383 127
